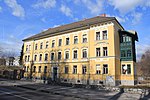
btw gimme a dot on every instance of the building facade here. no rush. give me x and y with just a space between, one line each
91 51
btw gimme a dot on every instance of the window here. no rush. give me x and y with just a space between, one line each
83 69
46 45
97 35
39 69
52 56
75 39
60 42
75 69
27 48
46 57
98 69
105 69
104 35
67 55
124 38
129 53
84 53
45 69
128 68
41 46
67 41
36 46
124 69
27 68
84 38
129 38
34 69
53 43
25 58
98 52
75 55
28 58
40 58
59 55
66 69
35 56
123 53
105 51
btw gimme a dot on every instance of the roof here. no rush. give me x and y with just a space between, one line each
130 33
68 27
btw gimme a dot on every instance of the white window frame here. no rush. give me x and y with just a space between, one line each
65 54
82 52
73 54
45 56
57 55
76 38
98 69
107 34
46 44
84 36
51 56
41 58
53 41
61 42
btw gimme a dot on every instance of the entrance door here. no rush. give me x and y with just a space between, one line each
55 73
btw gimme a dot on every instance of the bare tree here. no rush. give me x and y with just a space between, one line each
144 64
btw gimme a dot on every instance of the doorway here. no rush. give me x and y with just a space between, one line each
55 69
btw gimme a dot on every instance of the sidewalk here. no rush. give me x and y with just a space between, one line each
7 82
87 94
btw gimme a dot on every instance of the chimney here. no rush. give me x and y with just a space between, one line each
103 15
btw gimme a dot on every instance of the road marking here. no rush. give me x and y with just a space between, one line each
15 95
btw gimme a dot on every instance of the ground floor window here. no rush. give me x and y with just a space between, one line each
98 69
126 69
75 69
45 69
83 69
66 69
105 69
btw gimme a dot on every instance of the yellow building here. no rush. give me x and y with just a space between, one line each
91 51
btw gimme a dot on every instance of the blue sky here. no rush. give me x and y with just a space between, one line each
23 18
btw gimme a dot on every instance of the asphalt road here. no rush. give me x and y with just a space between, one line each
17 93
28 90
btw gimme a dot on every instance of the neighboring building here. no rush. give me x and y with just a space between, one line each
12 61
91 51
2 62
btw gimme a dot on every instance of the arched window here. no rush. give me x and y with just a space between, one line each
41 46
36 46
84 53
46 45
75 54
34 69
46 57
40 58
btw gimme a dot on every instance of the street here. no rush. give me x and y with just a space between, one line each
18 90
16 93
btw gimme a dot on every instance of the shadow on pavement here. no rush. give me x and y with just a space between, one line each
144 96
117 96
